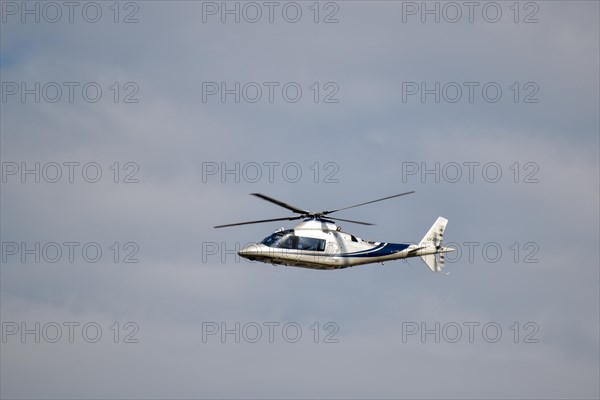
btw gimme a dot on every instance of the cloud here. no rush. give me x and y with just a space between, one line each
543 208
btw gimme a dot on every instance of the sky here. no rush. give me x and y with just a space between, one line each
129 129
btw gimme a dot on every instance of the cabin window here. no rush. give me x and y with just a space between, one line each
287 240
306 243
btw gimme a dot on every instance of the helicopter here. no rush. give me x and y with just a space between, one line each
318 243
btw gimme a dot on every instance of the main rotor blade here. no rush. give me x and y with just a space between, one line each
261 221
281 204
368 202
349 220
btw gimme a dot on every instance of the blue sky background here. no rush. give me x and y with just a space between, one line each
370 135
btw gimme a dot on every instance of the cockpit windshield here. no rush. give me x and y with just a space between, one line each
273 240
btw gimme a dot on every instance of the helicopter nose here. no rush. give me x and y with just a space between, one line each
248 251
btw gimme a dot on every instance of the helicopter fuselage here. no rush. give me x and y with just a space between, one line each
320 244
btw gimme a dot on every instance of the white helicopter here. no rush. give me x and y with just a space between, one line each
318 243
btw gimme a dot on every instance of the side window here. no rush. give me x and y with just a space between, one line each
312 244
321 246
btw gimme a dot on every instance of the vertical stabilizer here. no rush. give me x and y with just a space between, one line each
433 240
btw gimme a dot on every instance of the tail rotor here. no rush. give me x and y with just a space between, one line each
433 239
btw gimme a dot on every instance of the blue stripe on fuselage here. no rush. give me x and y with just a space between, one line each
384 249
356 253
